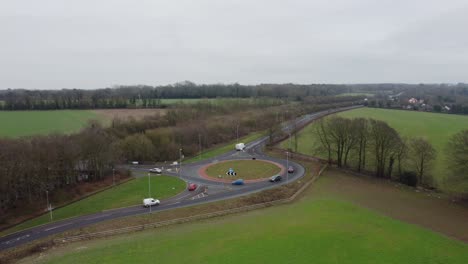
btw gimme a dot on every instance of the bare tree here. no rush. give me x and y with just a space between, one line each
384 139
422 153
457 150
361 128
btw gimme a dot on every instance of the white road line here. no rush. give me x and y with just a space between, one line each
48 229
96 217
16 239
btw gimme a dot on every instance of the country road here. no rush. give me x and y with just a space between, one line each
189 173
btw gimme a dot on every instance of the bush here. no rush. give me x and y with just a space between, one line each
409 178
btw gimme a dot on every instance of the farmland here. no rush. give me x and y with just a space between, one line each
26 123
328 225
437 128
126 194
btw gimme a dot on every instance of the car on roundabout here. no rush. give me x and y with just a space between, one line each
192 187
275 178
155 170
238 182
290 169
147 202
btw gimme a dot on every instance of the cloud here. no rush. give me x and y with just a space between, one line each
89 44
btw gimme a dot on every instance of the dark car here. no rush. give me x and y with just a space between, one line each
238 182
192 187
290 169
276 178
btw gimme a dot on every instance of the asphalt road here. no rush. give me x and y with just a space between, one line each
189 172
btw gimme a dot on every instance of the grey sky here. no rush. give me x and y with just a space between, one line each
99 43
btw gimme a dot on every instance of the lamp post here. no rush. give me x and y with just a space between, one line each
113 176
287 166
180 161
49 207
237 132
149 189
149 185
199 145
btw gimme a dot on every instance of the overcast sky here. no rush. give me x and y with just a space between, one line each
52 44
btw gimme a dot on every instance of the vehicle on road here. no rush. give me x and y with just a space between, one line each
135 162
150 202
240 146
155 170
192 187
290 169
238 182
276 178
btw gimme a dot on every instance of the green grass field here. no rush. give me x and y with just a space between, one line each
320 228
437 128
245 169
218 150
26 123
126 194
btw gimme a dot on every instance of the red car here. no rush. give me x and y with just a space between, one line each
192 187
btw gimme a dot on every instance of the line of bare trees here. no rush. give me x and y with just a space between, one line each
372 145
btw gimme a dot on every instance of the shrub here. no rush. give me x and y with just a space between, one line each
409 178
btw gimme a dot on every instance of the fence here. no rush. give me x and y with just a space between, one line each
190 218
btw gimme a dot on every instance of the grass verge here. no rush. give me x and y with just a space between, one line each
218 150
127 194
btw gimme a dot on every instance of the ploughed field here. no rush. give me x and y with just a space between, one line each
330 224
437 128
127 194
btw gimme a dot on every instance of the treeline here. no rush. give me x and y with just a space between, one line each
368 145
30 166
143 96
372 145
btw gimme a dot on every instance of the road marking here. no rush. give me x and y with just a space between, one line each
199 196
16 239
48 229
96 217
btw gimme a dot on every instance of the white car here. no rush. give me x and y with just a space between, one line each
150 202
155 170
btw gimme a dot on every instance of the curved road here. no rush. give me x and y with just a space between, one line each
215 190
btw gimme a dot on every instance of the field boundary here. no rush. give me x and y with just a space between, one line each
192 218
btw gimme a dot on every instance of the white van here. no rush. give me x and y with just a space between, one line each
240 146
150 202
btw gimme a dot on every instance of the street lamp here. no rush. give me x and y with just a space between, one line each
149 189
180 161
49 207
199 145
149 185
113 176
287 166
237 133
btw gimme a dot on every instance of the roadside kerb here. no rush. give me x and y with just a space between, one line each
191 218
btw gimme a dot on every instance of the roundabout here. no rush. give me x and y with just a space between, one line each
247 169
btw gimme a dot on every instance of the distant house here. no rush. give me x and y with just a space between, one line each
412 100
